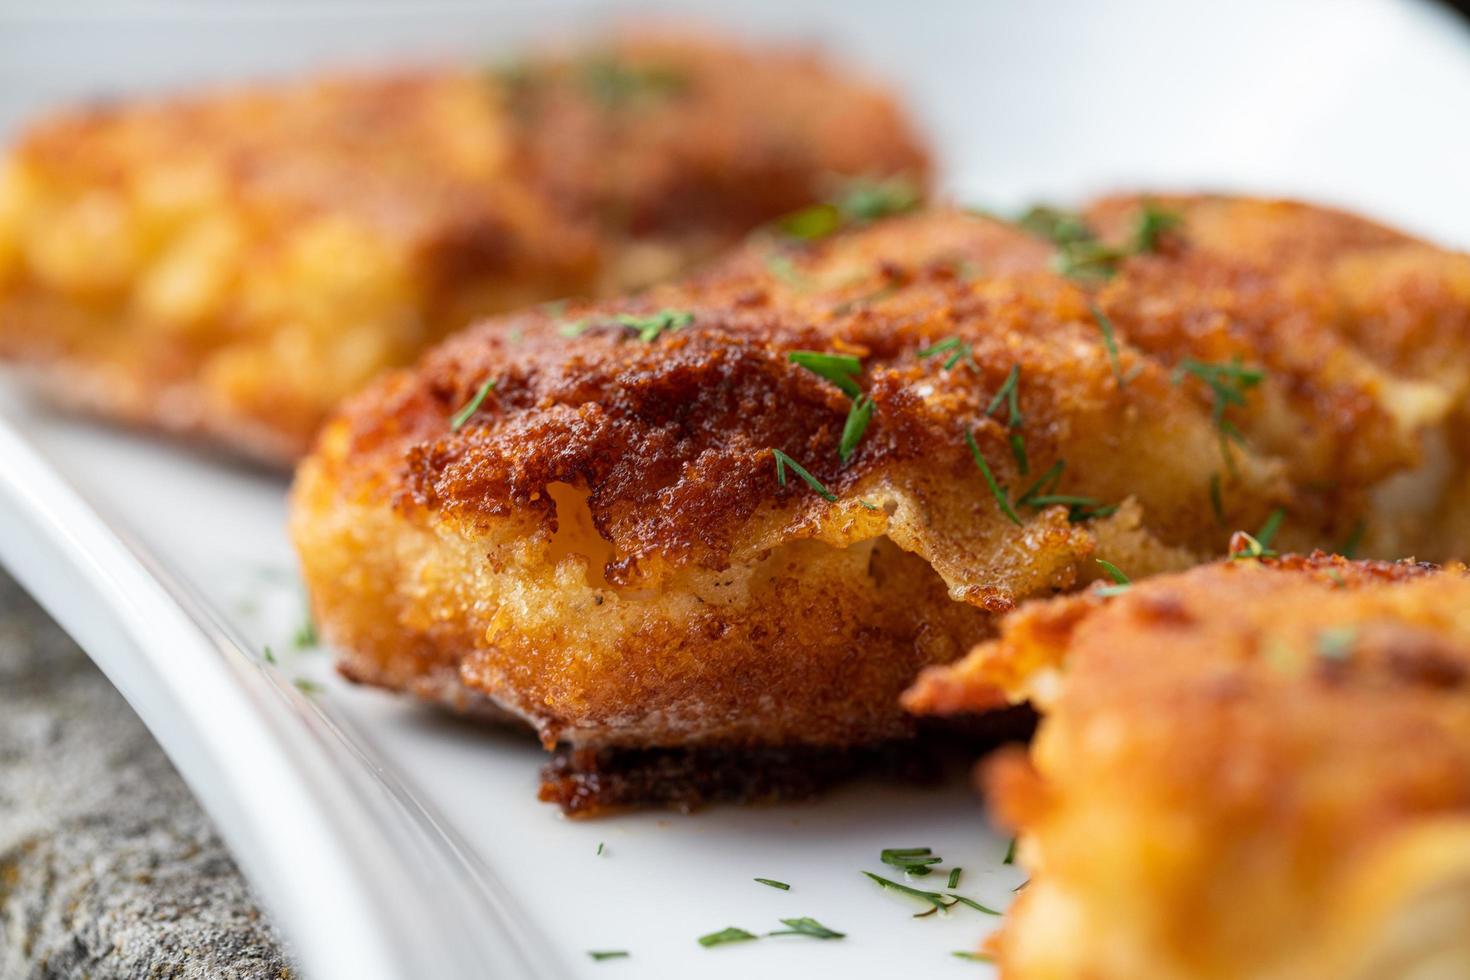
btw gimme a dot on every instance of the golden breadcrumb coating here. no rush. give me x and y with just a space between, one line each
233 264
604 547
1258 768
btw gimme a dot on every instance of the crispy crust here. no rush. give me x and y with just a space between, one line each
231 265
604 547
1255 768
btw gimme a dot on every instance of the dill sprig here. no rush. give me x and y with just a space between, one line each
1228 381
1001 499
859 414
933 898
1054 224
913 860
957 349
1110 341
1007 395
954 879
807 926
783 461
457 421
600 845
1010 857
1153 221
976 957
774 884
840 369
1042 494
608 954
649 328
1270 526
1121 582
859 202
730 934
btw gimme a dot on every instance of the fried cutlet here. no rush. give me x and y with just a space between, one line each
746 509
232 264
1255 769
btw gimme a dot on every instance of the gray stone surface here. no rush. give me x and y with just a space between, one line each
108 868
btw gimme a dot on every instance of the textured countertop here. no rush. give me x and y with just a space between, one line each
108 867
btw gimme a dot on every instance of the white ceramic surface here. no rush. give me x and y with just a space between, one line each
393 843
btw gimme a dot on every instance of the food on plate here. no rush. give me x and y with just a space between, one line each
1257 768
231 264
743 511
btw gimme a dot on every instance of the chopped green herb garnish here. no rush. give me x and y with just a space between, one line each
1114 572
729 935
957 349
913 860
1270 527
1044 485
1001 500
1058 226
1018 450
933 898
1110 341
309 688
1087 260
1349 547
812 222
858 417
865 201
840 369
1229 382
1006 395
954 878
270 657
783 461
774 884
977 957
306 636
1010 857
615 84
806 926
608 954
573 328
457 421
784 269
650 328
1243 545
1153 221
1336 643
600 845
974 904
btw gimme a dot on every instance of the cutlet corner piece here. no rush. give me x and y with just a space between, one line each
230 265
1255 768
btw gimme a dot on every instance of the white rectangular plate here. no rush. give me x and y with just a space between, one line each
392 842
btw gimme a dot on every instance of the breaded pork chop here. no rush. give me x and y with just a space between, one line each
232 264
746 509
1255 769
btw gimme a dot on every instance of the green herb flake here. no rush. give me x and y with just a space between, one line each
1010 857
933 898
270 657
913 860
472 406
840 369
1269 528
1337 642
600 846
728 935
806 926
1018 451
1001 500
971 903
608 954
976 957
1349 547
1087 261
1153 222
306 636
1055 225
865 201
774 884
1007 394
1110 341
308 687
783 461
858 417
650 328
956 349
954 878
811 223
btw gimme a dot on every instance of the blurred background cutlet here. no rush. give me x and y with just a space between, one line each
230 265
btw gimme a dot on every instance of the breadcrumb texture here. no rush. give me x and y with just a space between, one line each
1258 768
605 549
231 265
